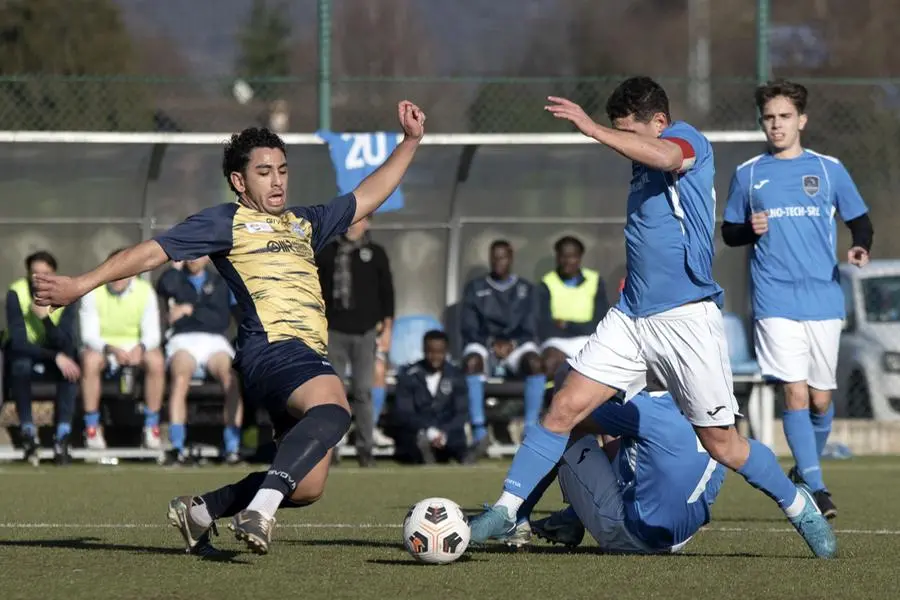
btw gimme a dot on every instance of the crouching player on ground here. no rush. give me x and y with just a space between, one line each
648 490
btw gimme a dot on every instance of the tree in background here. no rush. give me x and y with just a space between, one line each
264 49
44 45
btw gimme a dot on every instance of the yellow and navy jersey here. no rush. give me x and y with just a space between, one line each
268 262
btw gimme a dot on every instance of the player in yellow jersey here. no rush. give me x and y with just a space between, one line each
264 250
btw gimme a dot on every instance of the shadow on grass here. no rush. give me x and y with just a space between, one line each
93 543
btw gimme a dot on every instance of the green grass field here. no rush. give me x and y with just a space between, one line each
98 532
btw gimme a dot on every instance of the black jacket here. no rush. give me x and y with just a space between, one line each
416 409
60 338
212 305
373 288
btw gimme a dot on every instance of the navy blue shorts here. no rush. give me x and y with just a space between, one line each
271 372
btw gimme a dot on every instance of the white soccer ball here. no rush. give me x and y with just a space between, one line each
436 531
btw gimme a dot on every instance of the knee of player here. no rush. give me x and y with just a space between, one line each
154 364
532 363
92 363
332 423
474 364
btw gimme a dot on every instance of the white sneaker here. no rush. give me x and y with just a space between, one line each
381 440
93 439
152 440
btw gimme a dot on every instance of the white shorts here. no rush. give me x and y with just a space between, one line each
513 362
568 346
684 348
792 351
589 483
201 347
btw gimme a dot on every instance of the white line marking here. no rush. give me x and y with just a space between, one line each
397 526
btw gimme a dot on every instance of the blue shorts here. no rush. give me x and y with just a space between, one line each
271 372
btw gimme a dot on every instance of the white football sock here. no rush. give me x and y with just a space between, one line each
793 511
266 501
511 503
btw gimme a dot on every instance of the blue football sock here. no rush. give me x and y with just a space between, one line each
177 434
534 399
91 419
535 458
798 430
534 497
231 438
378 396
62 430
475 384
28 430
151 418
763 472
822 427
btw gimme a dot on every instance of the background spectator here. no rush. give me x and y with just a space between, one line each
359 301
572 301
41 344
431 407
120 332
499 331
199 303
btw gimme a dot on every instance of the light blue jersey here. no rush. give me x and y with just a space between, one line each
668 480
669 232
794 266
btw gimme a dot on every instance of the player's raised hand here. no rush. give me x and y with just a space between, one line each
55 290
412 119
760 222
566 109
858 256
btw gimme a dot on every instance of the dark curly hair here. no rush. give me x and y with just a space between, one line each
638 96
238 149
568 240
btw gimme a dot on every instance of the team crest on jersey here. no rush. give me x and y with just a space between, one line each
297 228
522 290
365 254
811 184
446 387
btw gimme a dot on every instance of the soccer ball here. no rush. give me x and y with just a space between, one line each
436 531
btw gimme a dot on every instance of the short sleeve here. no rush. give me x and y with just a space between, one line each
328 220
737 207
847 198
694 146
208 232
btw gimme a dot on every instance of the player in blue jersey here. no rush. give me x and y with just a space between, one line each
265 251
668 319
783 203
648 490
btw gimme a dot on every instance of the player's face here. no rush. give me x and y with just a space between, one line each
569 260
196 266
39 267
652 128
435 353
501 261
782 123
263 184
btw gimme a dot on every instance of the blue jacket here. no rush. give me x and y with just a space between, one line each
493 310
416 409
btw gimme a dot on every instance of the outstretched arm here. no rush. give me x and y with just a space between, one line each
53 290
656 153
377 187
